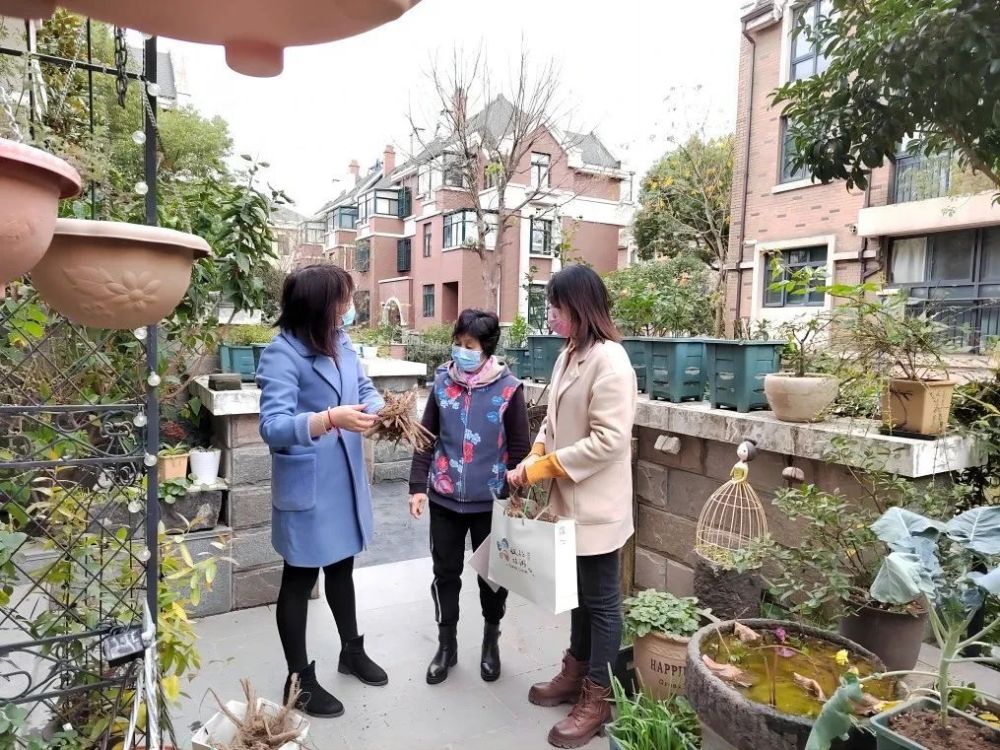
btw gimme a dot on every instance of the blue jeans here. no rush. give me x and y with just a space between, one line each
596 624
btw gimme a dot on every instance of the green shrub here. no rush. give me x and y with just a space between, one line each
644 723
653 611
660 298
438 334
249 335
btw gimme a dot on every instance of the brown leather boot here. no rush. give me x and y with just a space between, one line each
564 687
586 719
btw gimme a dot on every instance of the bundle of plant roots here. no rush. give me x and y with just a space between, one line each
535 505
259 729
397 424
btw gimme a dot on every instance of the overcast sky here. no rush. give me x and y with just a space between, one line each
618 61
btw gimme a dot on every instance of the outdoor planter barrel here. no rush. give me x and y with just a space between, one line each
888 739
518 361
917 406
736 372
731 721
895 637
31 184
543 351
637 348
240 360
677 369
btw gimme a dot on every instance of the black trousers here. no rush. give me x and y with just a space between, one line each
448 532
596 625
293 606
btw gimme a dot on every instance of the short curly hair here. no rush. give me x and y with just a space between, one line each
483 326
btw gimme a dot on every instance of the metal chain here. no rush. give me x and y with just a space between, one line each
121 63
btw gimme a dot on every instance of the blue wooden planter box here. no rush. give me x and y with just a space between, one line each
677 369
518 361
638 350
543 351
735 371
238 359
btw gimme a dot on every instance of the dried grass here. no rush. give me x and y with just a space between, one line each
397 424
258 729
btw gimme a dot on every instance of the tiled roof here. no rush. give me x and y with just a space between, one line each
285 215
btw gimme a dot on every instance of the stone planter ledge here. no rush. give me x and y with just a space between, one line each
906 457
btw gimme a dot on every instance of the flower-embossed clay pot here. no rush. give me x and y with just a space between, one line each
108 274
31 184
252 31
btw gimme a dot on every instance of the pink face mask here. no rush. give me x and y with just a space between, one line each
559 325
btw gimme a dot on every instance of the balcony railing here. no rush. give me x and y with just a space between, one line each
918 177
969 325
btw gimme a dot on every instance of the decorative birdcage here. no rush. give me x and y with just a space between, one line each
733 519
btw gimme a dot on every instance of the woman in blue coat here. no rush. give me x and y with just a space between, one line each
315 402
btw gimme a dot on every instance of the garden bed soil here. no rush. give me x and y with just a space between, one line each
924 728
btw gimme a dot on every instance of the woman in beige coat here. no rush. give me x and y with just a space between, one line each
584 451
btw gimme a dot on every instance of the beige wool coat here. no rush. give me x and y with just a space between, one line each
588 425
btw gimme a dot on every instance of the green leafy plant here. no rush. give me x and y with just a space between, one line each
653 611
177 449
517 334
806 350
644 723
935 562
660 298
247 335
172 490
751 557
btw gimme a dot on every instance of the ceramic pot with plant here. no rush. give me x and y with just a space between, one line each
241 348
644 723
173 462
762 683
31 184
107 274
205 465
799 393
951 567
910 345
659 624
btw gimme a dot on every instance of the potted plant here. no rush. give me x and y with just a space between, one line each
825 579
762 683
107 274
241 348
31 185
937 563
644 723
516 350
883 332
174 451
660 624
729 582
254 723
735 368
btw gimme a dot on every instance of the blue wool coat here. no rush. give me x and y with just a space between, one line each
321 504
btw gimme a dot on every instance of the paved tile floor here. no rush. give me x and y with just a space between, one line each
397 617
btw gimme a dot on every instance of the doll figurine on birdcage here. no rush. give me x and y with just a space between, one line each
733 519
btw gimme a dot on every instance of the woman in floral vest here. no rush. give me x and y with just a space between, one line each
478 413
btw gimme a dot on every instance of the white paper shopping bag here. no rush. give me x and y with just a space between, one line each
536 559
480 562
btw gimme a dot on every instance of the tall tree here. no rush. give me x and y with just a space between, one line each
928 69
486 134
684 207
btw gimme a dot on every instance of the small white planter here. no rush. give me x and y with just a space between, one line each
369 352
205 465
219 731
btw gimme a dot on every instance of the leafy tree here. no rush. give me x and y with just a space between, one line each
661 297
684 207
927 69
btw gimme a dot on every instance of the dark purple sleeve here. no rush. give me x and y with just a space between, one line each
421 465
515 423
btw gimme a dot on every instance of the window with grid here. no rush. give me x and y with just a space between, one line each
427 240
428 300
362 252
345 217
459 229
403 251
540 169
541 236
789 172
791 261
807 59
452 172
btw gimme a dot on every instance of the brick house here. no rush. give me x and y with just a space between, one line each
909 227
402 229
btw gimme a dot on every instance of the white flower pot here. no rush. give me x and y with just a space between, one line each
205 465
369 352
219 731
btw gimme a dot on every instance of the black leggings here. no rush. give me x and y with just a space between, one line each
293 606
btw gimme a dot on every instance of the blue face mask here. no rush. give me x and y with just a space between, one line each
466 359
347 319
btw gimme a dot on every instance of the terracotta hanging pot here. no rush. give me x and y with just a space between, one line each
254 32
107 274
31 184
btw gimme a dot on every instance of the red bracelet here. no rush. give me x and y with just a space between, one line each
329 422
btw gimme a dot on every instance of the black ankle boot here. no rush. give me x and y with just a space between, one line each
446 656
354 660
489 665
314 700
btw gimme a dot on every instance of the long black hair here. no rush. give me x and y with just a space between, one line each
580 293
310 299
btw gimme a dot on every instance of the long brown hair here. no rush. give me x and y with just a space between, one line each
579 292
310 300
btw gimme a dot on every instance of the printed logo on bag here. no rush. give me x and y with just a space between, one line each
518 559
